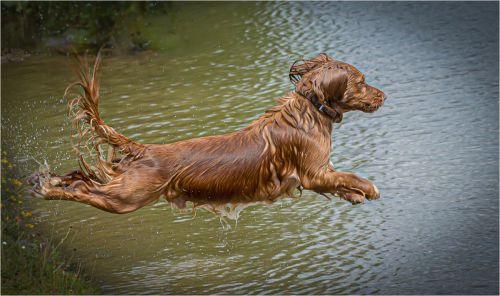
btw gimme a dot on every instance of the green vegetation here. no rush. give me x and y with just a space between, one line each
34 25
32 263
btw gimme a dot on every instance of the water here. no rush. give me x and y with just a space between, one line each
432 150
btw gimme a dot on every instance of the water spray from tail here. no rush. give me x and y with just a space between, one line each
92 138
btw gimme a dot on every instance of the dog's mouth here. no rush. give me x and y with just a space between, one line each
372 106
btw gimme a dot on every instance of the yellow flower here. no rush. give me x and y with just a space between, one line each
17 183
30 226
26 213
4 160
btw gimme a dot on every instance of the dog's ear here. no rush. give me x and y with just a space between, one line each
331 84
327 83
301 67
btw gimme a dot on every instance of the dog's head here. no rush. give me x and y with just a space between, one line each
336 84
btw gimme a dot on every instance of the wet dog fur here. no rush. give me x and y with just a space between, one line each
286 149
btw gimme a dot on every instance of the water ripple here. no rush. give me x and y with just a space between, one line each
432 150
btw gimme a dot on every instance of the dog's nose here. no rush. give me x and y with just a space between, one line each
383 95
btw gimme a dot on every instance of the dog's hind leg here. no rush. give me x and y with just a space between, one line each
97 200
124 194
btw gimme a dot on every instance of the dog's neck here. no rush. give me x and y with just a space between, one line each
332 112
296 112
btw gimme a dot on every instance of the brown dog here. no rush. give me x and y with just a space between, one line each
287 148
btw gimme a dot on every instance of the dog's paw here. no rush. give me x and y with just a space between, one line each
373 193
39 190
366 188
352 197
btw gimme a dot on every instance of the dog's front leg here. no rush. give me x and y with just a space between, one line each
346 185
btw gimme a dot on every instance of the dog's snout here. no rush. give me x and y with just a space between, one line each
382 95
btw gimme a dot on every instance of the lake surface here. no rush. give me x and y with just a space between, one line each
432 150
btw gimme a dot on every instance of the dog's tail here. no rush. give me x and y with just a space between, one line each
91 129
